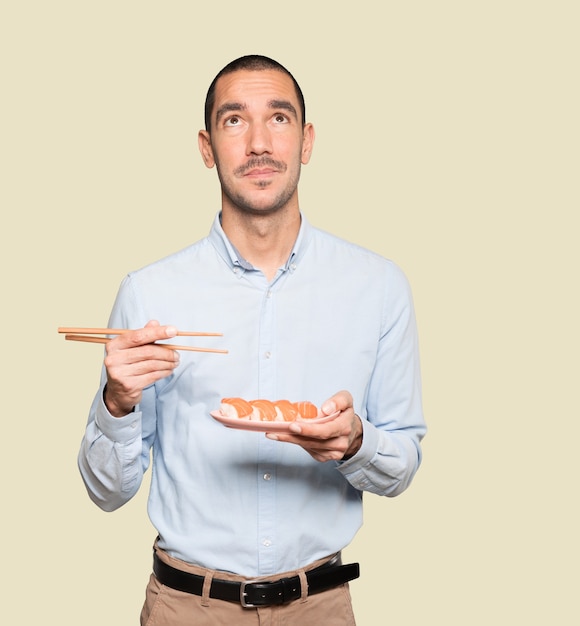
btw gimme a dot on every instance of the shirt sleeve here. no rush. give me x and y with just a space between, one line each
392 415
110 456
115 451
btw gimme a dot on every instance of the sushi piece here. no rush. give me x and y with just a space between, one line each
286 410
236 407
264 410
306 409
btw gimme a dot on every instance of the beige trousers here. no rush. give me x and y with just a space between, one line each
167 607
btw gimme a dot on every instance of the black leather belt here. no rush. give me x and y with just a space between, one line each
253 593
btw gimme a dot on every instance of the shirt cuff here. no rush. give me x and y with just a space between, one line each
119 429
367 451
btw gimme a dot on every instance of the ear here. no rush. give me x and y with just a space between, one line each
204 142
307 143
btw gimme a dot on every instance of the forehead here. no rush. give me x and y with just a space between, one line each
254 88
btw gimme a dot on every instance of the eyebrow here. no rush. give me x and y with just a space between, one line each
228 107
285 105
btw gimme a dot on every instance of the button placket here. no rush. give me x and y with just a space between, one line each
267 449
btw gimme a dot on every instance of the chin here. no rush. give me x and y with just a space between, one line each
264 206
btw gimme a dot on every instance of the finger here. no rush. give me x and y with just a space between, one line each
141 368
142 336
316 439
147 352
338 402
138 382
328 430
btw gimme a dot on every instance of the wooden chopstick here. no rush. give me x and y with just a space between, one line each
120 331
92 339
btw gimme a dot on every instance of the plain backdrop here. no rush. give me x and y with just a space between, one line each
447 140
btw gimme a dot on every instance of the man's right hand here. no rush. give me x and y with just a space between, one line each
132 363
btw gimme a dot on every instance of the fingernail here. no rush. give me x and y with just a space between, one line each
272 436
171 331
328 408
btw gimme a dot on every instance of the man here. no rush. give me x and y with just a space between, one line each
304 316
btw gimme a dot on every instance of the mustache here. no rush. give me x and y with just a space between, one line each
260 162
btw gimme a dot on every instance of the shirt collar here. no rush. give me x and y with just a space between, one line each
239 265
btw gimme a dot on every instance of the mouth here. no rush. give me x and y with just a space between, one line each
260 172
260 168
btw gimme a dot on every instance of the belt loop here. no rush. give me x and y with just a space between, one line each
303 586
206 587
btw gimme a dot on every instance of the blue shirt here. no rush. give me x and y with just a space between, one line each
336 316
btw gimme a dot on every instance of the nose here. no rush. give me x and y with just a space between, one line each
259 140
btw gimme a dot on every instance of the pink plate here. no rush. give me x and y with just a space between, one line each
241 423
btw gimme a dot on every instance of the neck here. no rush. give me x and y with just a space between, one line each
265 241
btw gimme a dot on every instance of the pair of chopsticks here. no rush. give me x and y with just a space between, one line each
87 334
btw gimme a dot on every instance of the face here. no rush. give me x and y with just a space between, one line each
257 141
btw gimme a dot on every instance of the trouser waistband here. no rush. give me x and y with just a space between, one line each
252 593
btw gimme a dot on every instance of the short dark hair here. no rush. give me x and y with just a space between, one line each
252 62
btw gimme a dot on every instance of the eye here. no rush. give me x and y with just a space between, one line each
234 120
280 118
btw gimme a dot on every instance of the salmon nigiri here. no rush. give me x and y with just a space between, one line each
264 410
288 412
306 409
236 407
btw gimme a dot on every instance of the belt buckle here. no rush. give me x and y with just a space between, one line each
243 594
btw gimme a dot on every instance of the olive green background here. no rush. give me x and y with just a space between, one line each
447 139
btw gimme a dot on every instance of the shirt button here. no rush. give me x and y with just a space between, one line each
267 354
266 543
269 293
267 476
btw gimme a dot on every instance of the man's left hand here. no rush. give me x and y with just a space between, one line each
336 440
